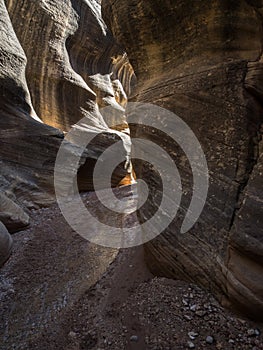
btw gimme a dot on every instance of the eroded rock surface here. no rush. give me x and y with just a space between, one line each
203 61
6 243
43 78
77 64
28 147
11 215
59 64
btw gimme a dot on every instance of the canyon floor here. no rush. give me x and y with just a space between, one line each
127 308
131 309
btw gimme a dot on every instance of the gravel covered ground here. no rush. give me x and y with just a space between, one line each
54 272
130 309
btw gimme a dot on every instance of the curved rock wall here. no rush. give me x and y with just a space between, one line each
51 266
70 59
200 59
59 64
203 61
27 147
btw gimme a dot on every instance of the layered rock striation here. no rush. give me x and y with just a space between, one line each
59 65
202 60
77 65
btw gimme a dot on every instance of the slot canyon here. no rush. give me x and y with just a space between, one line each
74 69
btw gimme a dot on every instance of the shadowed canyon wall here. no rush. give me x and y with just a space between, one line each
203 61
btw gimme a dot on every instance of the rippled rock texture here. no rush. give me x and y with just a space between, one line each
203 61
76 63
59 64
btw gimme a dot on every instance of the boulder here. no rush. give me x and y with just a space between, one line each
11 215
6 243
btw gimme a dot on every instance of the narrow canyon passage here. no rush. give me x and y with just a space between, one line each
86 88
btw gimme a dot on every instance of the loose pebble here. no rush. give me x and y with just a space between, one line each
190 345
193 308
209 339
253 332
188 318
192 335
72 334
134 338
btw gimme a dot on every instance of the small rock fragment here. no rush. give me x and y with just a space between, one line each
190 345
193 308
72 334
253 332
187 317
209 339
134 338
192 335
201 313
257 332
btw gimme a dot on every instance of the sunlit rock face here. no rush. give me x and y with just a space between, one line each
74 63
203 61
59 64
27 147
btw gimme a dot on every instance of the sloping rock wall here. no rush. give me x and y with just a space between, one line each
51 266
59 64
203 61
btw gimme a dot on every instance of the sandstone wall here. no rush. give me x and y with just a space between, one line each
203 61
43 80
70 59
59 64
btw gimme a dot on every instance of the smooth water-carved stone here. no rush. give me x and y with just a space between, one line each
49 56
75 63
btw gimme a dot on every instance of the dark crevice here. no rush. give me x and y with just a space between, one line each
255 136
253 156
261 20
252 162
